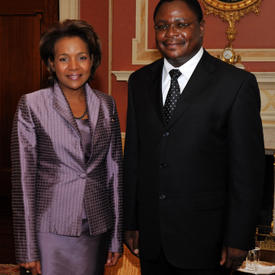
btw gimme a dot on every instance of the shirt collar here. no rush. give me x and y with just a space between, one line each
187 68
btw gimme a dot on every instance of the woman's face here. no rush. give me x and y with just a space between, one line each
72 63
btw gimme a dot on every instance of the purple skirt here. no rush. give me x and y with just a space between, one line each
83 255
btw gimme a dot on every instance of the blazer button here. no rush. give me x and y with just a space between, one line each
82 176
162 196
163 165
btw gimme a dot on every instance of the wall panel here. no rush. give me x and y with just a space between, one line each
131 45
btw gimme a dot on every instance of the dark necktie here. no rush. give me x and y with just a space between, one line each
172 96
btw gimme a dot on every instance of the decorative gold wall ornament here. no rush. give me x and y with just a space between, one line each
231 11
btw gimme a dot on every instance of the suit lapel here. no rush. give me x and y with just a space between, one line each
62 107
93 105
196 85
155 88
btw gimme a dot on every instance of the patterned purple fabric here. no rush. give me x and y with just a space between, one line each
84 129
63 255
50 177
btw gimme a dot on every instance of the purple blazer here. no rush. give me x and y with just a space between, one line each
51 182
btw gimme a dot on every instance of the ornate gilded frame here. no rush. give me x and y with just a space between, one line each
231 12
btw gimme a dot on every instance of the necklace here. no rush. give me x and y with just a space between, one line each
84 114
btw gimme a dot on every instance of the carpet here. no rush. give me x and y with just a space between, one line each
8 269
127 265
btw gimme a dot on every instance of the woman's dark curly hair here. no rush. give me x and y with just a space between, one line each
70 28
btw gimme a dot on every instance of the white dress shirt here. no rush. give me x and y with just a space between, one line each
186 70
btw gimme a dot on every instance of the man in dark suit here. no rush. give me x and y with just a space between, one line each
194 154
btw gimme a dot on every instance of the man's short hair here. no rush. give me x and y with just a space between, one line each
194 5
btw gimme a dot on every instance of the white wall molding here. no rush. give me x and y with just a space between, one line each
110 46
266 82
122 75
69 9
250 54
142 55
265 77
262 77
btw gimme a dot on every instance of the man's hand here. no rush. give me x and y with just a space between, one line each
35 267
131 240
232 257
112 258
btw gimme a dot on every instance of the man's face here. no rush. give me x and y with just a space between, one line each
178 32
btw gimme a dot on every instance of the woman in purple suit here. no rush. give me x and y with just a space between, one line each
66 163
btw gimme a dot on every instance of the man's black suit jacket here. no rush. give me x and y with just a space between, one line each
194 185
